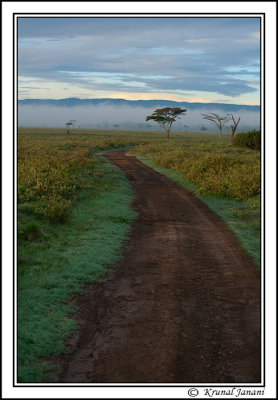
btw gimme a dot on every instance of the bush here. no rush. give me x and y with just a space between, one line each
54 209
251 140
53 168
217 170
30 231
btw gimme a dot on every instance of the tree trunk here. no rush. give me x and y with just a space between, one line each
167 134
220 131
232 136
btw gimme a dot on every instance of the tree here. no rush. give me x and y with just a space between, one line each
166 116
233 127
68 124
217 120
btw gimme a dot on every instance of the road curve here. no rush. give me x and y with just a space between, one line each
183 304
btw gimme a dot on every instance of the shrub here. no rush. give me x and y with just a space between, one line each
54 209
31 231
52 169
50 172
251 140
217 170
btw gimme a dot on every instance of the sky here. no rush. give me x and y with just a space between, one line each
182 59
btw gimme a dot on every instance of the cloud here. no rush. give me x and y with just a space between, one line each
185 27
200 54
33 87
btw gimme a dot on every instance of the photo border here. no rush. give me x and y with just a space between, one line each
262 96
262 17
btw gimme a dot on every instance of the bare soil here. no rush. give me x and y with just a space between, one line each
183 304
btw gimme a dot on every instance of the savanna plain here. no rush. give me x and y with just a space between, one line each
78 206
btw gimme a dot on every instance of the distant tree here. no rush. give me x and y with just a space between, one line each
233 127
217 120
186 127
68 124
166 116
203 128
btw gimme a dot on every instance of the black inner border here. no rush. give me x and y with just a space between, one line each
16 16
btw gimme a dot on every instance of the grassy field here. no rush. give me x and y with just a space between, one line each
74 214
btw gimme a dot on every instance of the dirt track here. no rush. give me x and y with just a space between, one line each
183 305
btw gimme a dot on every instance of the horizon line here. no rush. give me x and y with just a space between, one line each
120 98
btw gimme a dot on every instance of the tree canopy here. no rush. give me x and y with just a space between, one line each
217 120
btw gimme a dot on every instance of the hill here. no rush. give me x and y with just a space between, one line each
75 101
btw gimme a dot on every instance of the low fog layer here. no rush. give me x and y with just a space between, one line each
124 117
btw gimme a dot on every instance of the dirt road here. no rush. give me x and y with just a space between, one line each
183 305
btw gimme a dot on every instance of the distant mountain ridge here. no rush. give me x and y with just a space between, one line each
75 101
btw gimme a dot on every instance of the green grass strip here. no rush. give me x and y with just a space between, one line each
58 263
246 230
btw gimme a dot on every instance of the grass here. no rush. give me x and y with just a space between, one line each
55 260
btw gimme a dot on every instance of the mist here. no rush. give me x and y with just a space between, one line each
124 117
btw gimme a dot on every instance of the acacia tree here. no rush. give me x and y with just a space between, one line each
68 124
166 116
217 120
233 127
